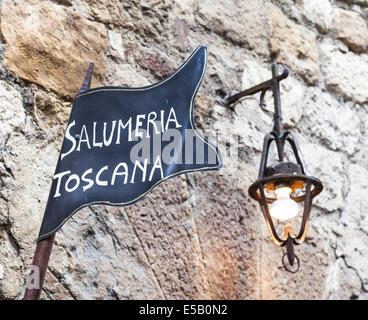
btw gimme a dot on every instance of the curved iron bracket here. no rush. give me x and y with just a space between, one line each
272 84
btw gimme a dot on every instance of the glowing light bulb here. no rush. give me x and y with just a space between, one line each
283 208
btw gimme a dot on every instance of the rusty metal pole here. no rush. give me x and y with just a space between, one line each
44 246
40 261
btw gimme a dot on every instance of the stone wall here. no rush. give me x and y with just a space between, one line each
197 236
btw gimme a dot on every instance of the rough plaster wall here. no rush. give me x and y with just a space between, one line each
198 235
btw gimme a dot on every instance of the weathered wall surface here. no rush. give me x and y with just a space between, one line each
199 235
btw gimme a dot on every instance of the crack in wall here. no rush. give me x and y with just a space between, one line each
61 282
144 251
363 289
207 287
107 229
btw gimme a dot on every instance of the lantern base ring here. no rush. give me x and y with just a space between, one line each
287 268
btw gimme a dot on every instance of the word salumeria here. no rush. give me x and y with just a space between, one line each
87 138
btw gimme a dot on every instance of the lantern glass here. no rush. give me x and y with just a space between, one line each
283 208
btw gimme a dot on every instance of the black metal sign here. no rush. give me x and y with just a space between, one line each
122 142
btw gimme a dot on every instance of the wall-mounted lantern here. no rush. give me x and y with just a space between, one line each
281 185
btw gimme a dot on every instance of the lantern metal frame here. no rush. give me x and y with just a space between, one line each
281 173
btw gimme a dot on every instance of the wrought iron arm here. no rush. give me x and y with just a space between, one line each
274 85
262 87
